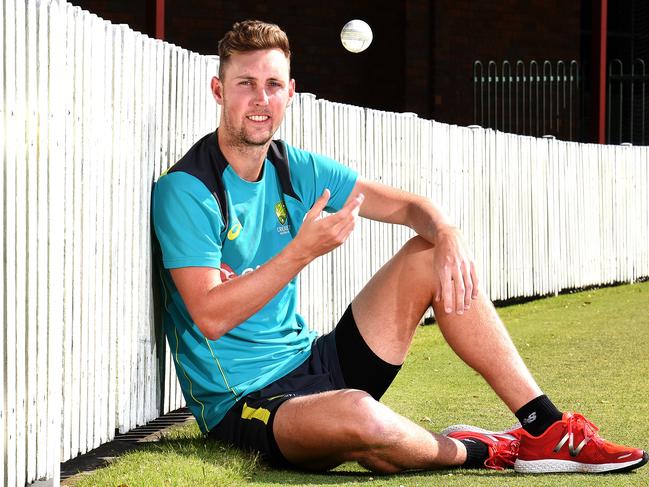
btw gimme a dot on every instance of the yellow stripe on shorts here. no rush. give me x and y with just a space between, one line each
261 414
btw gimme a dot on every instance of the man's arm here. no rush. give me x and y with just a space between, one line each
454 268
216 307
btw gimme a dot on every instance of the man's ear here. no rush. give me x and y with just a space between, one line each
291 92
217 90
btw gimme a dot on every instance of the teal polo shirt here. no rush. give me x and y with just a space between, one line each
261 220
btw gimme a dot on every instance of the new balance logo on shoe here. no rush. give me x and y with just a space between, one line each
571 448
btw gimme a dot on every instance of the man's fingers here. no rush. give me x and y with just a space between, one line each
349 221
346 230
352 205
457 289
359 201
468 286
458 282
320 204
474 279
447 290
347 213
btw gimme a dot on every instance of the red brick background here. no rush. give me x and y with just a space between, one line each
421 59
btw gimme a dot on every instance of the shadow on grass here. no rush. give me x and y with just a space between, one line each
260 472
341 477
186 453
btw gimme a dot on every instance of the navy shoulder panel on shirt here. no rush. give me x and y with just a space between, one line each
279 157
205 162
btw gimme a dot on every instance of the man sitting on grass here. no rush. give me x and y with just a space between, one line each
237 219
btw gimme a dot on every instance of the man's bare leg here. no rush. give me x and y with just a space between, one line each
324 430
321 431
389 308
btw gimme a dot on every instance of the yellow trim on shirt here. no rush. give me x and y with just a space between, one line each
218 364
191 386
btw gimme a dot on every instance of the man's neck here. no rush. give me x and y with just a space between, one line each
247 161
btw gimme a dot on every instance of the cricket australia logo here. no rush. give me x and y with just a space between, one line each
280 211
282 217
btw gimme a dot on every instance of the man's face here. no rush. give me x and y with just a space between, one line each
254 93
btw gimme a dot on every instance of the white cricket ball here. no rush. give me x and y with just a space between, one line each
356 36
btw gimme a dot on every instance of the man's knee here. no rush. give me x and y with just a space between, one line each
371 423
419 248
376 431
419 256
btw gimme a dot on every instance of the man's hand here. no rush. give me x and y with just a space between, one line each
455 271
319 235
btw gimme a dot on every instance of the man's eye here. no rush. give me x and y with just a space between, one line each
245 82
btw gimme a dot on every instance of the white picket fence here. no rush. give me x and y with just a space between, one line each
91 113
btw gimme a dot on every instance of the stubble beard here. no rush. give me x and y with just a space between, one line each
241 139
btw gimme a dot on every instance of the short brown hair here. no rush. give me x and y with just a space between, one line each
251 35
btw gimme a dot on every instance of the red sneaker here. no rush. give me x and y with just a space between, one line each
502 445
573 445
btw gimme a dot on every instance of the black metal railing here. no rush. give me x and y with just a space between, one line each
535 99
626 114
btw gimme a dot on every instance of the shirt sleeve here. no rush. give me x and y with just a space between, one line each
313 173
187 222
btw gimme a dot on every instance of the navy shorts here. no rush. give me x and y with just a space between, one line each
339 360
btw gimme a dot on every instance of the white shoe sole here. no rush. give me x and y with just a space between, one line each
567 466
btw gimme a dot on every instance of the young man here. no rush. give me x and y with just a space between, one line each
239 216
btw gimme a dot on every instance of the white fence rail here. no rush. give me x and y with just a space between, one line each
91 113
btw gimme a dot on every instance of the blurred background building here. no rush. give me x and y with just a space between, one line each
574 69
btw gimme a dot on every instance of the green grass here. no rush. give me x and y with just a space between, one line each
589 351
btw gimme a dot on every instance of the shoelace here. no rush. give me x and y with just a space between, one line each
578 423
504 455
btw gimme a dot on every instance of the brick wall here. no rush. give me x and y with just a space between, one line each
467 30
421 59
320 64
131 12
